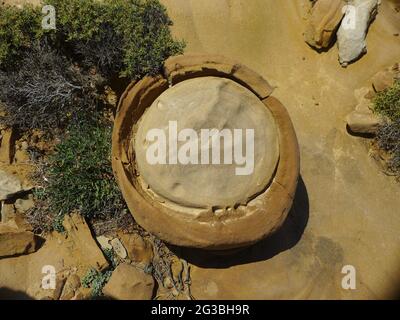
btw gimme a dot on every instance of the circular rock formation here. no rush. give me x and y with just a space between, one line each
204 155
216 104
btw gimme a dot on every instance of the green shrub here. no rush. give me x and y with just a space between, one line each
95 280
19 28
387 102
129 37
46 76
79 173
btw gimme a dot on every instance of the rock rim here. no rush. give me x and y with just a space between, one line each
209 228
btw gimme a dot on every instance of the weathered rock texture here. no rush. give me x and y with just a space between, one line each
351 40
129 283
139 250
10 185
79 233
213 228
324 19
200 103
15 242
363 120
7 146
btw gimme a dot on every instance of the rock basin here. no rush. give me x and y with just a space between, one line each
220 199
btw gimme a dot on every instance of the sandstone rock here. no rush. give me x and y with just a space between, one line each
211 102
176 269
7 146
323 22
23 205
351 41
139 250
129 283
385 79
16 242
9 185
50 294
183 67
361 122
71 286
7 212
118 248
224 231
79 233
104 243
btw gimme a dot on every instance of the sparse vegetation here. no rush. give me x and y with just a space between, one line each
54 80
387 103
95 280
79 175
45 91
130 38
18 29
56 70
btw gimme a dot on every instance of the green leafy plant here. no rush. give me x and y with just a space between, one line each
95 280
78 176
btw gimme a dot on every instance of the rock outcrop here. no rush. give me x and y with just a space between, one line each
7 146
16 242
79 233
10 185
129 283
325 17
353 30
386 78
363 120
139 250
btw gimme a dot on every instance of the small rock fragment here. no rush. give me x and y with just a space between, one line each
79 233
71 286
129 283
323 22
104 242
24 204
139 250
7 146
16 242
367 123
385 79
118 248
10 185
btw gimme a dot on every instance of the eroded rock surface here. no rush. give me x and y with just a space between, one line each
9 185
325 17
79 233
209 103
351 39
16 242
129 283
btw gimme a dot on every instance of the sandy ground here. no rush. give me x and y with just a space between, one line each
346 211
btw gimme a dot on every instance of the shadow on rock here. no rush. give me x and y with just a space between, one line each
285 238
9 294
